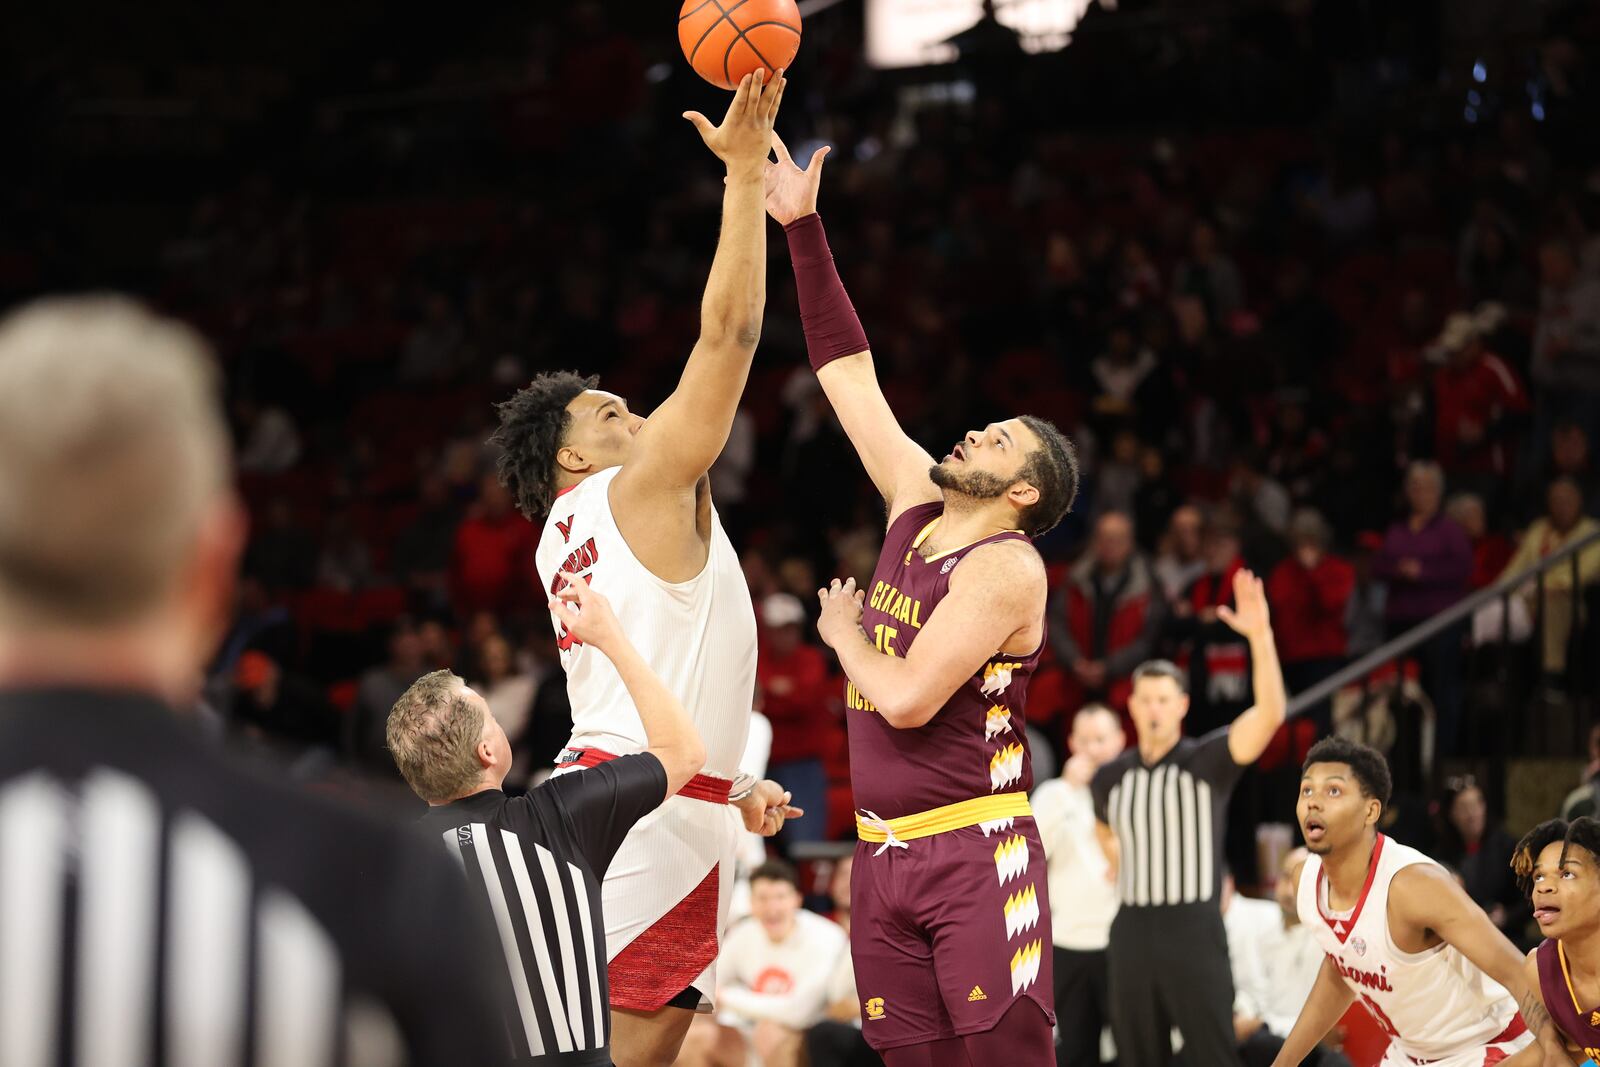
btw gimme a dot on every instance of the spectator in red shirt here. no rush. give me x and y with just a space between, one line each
1476 395
1309 592
796 693
1490 551
1105 618
492 567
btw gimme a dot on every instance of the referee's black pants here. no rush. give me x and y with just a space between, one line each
1082 1006
1169 967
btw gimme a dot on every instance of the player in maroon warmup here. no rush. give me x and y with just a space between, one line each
951 921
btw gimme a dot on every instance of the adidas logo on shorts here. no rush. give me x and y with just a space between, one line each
976 995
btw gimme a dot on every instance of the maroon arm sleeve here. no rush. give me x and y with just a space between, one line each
830 323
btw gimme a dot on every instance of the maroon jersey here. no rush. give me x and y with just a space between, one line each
975 746
1580 1028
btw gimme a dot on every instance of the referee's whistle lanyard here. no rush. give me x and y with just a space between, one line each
871 819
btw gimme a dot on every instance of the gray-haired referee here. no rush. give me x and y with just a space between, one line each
540 859
160 904
1162 808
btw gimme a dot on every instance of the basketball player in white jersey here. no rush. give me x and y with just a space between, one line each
1400 935
626 504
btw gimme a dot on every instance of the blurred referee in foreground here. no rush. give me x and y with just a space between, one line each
540 859
158 904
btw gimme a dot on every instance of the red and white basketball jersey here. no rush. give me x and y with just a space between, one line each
698 635
1432 1004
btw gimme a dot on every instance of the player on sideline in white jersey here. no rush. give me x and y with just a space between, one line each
1400 935
626 503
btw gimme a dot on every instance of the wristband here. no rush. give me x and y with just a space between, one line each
832 328
742 787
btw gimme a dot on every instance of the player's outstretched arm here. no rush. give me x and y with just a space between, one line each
684 436
1426 896
669 732
997 592
1330 998
1252 731
836 343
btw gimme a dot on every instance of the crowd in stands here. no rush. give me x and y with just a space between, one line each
1332 313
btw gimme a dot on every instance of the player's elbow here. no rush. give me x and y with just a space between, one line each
735 329
682 760
909 711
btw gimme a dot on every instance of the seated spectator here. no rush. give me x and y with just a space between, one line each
837 1040
1309 593
1179 562
1564 523
1275 960
345 563
1117 476
506 688
1476 398
1083 896
797 697
423 549
1369 599
1105 617
270 441
282 554
1490 551
280 707
1566 344
1426 561
773 979
493 561
1583 799
376 693
1480 852
1156 500
1209 274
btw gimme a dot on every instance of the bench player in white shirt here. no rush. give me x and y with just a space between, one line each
626 503
1401 935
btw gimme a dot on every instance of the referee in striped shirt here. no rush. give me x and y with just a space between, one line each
1161 810
539 859
159 902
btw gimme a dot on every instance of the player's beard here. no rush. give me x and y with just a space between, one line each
979 485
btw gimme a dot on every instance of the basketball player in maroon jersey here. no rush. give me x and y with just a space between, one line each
951 918
1558 864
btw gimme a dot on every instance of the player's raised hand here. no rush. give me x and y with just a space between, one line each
586 614
792 192
841 611
1249 616
745 137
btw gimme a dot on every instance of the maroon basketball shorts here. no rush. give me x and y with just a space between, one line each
949 931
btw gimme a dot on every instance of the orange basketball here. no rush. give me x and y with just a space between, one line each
726 39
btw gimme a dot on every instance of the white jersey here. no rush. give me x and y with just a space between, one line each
1434 1004
699 636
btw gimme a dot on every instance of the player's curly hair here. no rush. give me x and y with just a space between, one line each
533 423
1582 831
1371 770
1052 468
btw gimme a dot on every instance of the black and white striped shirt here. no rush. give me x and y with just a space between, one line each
163 904
1169 820
540 860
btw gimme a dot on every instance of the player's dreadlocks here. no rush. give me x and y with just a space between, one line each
532 426
1583 832
1052 468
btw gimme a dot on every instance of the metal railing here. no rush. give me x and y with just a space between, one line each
1397 648
1520 715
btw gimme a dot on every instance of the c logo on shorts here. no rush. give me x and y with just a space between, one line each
874 1008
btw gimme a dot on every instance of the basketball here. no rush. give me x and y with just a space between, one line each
724 41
